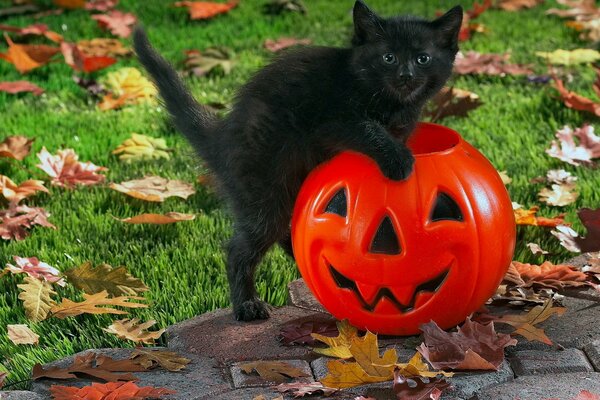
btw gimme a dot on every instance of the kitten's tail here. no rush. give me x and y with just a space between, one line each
191 118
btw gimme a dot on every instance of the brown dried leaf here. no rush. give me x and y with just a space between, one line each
150 359
536 249
158 219
567 237
415 388
66 171
488 64
452 101
20 86
3 376
117 22
154 188
70 4
17 147
16 218
35 29
549 275
36 298
577 146
101 5
212 59
576 101
516 5
116 281
273 371
300 332
27 57
580 10
206 9
21 334
591 220
284 42
91 305
85 364
131 329
111 390
559 195
473 347
103 47
299 389
15 193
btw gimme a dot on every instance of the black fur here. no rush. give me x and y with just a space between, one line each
301 110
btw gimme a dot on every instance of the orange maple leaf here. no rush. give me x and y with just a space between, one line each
206 9
26 57
550 275
111 390
80 61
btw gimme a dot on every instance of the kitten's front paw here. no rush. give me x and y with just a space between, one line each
251 310
399 167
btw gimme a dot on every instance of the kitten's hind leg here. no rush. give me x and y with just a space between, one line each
286 244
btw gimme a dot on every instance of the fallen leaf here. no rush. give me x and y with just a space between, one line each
84 364
560 176
468 27
276 7
206 9
66 171
103 47
415 388
142 147
27 57
117 22
101 5
158 219
586 17
284 43
549 275
36 298
91 305
516 5
299 389
473 347
587 395
339 346
570 57
567 236
90 85
273 371
536 249
16 218
576 101
488 64
70 4
35 29
507 180
3 376
300 332
108 391
131 329
572 151
19 87
559 195
17 147
590 30
15 193
82 62
211 60
452 101
21 334
525 324
591 220
36 269
154 188
115 281
150 359
127 86
528 217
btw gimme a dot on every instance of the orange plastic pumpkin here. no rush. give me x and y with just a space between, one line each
392 255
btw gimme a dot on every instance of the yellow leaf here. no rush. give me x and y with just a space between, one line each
130 329
116 281
339 346
348 374
130 82
21 334
158 219
365 351
142 147
525 324
570 57
91 303
36 298
168 360
154 188
417 367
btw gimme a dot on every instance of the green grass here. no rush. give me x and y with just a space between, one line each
183 263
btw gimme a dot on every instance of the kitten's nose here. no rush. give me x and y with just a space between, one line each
405 75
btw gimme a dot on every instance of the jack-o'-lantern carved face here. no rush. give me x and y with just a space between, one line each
389 255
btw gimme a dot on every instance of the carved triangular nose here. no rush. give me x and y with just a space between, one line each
385 240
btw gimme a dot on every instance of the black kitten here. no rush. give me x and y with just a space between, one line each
301 110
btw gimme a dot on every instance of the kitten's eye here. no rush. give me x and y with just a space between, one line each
389 58
423 59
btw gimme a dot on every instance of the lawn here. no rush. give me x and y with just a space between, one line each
183 264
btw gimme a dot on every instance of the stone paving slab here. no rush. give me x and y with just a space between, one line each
592 351
535 362
201 376
539 387
300 296
19 395
244 380
238 341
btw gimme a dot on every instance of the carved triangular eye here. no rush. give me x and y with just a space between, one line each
385 240
445 208
337 204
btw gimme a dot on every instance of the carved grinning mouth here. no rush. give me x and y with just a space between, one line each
430 286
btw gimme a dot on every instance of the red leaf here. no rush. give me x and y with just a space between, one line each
206 9
101 5
17 218
67 171
108 391
20 86
118 23
576 101
488 64
35 29
284 43
414 388
79 61
591 220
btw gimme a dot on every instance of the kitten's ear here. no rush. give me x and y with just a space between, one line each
367 24
449 27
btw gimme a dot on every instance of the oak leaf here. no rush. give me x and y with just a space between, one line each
17 147
415 388
210 60
576 101
273 371
108 391
283 43
529 217
36 269
473 347
103 47
525 324
117 22
27 57
154 188
488 64
300 389
15 193
206 9
80 61
142 147
131 329
91 305
35 29
36 298
87 364
549 275
560 195
17 218
339 346
21 334
300 332
66 171
150 359
451 101
19 87
158 219
516 5
591 220
575 146
115 281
